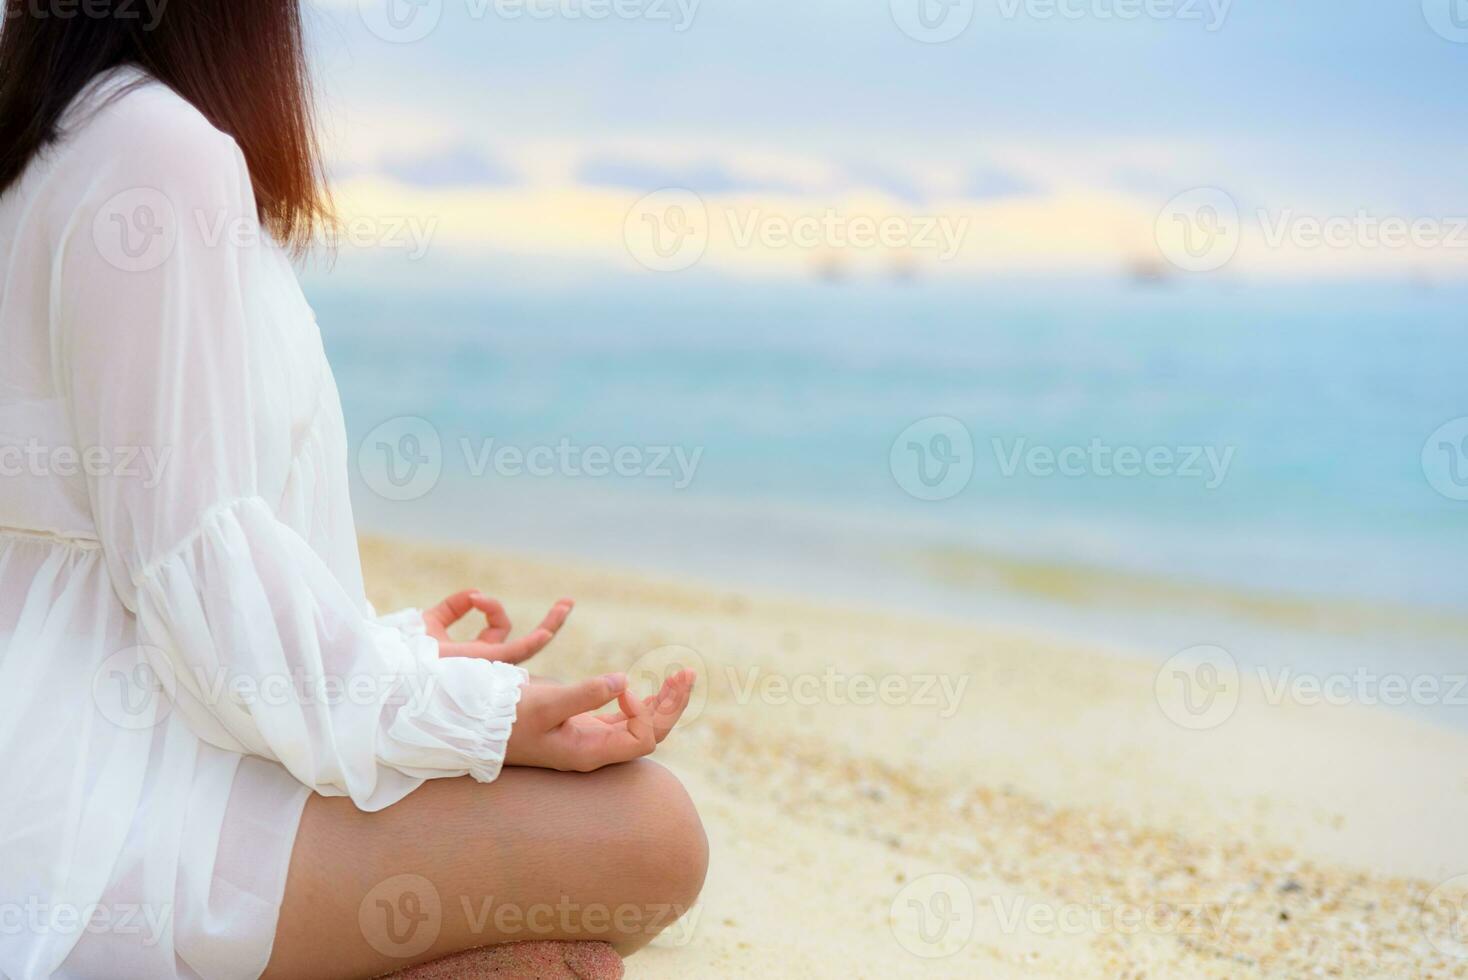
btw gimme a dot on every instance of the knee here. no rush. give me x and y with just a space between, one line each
671 847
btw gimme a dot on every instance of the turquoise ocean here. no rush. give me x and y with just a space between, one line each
1300 508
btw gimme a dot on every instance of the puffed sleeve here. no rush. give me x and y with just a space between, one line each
157 348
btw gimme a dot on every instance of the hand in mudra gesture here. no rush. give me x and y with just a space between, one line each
493 642
555 727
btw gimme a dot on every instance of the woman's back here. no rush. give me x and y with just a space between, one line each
112 788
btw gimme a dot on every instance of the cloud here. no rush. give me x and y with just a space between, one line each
987 183
749 173
886 180
458 166
704 177
589 222
571 226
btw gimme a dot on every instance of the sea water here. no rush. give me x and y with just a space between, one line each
1270 466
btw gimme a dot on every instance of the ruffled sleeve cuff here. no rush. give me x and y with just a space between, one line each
458 711
456 721
409 622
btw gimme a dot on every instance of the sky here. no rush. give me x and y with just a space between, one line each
1030 135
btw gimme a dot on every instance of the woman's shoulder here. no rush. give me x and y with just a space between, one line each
128 130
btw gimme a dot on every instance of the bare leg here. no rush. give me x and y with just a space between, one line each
614 855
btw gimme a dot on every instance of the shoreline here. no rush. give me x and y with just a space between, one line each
1058 781
1146 617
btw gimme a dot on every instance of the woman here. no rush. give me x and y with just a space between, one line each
218 761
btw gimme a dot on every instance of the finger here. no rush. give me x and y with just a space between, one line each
518 651
619 718
563 703
470 651
521 650
641 738
494 613
669 710
666 706
557 616
652 700
608 745
450 611
508 653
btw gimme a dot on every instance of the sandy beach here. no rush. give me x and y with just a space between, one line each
889 795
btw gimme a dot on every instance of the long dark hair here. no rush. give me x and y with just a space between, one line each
241 63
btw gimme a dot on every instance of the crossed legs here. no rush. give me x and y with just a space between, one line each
614 855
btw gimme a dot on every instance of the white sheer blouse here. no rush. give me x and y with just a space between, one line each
185 646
